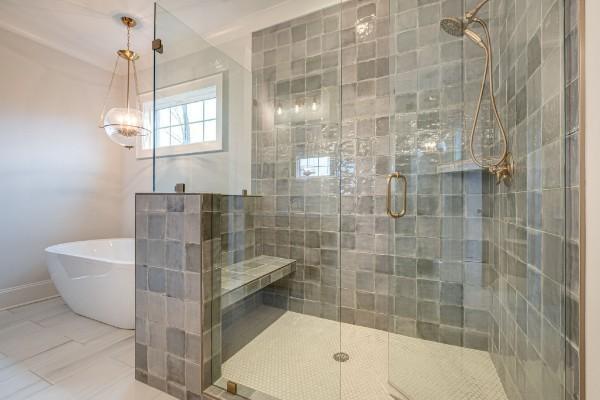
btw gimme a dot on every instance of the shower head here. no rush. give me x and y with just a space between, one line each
457 27
453 26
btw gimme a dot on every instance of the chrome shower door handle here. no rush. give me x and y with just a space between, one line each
390 178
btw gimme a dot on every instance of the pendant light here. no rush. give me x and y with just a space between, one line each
124 121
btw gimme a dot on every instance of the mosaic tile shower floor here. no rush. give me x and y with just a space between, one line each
293 360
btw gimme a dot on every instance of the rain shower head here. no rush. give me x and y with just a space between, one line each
457 27
453 26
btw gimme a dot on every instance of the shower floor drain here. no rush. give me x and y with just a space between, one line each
341 357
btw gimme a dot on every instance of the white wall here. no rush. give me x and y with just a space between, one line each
60 175
592 121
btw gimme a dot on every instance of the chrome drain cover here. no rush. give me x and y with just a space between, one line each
341 357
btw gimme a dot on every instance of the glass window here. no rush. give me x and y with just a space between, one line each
187 123
188 119
210 109
197 132
195 111
313 166
210 130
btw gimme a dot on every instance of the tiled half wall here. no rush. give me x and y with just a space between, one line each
182 240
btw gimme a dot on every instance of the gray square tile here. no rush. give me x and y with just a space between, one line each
175 369
176 341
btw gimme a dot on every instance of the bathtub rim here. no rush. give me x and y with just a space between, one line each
59 250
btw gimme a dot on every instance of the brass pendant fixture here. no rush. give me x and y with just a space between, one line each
123 121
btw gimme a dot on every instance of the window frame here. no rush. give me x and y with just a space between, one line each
183 93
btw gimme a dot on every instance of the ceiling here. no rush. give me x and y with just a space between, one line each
87 29
90 29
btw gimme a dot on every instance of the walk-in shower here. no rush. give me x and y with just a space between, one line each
373 255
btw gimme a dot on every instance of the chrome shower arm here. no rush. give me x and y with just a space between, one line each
473 13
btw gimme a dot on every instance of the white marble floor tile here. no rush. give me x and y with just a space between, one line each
28 391
127 388
17 382
21 347
5 361
6 319
41 310
17 330
52 393
47 352
126 353
65 360
76 327
87 382
9 372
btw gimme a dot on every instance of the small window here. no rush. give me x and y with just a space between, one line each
313 167
188 119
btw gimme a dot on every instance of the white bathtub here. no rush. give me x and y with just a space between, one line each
96 278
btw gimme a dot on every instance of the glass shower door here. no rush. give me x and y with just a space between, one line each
367 158
478 280
436 243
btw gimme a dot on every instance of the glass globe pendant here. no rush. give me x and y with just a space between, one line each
123 121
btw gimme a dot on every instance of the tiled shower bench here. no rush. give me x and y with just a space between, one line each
242 279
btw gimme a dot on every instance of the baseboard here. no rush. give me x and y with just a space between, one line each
25 294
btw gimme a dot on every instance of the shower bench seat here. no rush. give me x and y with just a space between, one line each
242 279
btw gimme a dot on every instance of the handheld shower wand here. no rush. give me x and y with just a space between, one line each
503 168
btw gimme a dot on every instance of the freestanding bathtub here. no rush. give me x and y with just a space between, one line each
96 278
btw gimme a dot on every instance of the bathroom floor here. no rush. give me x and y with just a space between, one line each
293 360
47 352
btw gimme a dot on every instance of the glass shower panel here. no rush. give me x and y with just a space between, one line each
296 126
272 319
203 109
528 242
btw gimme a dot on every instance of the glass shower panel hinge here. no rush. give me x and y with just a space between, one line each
231 387
179 188
157 46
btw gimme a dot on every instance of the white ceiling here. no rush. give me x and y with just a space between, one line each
86 29
90 29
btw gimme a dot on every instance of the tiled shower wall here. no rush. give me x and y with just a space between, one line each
535 300
400 107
